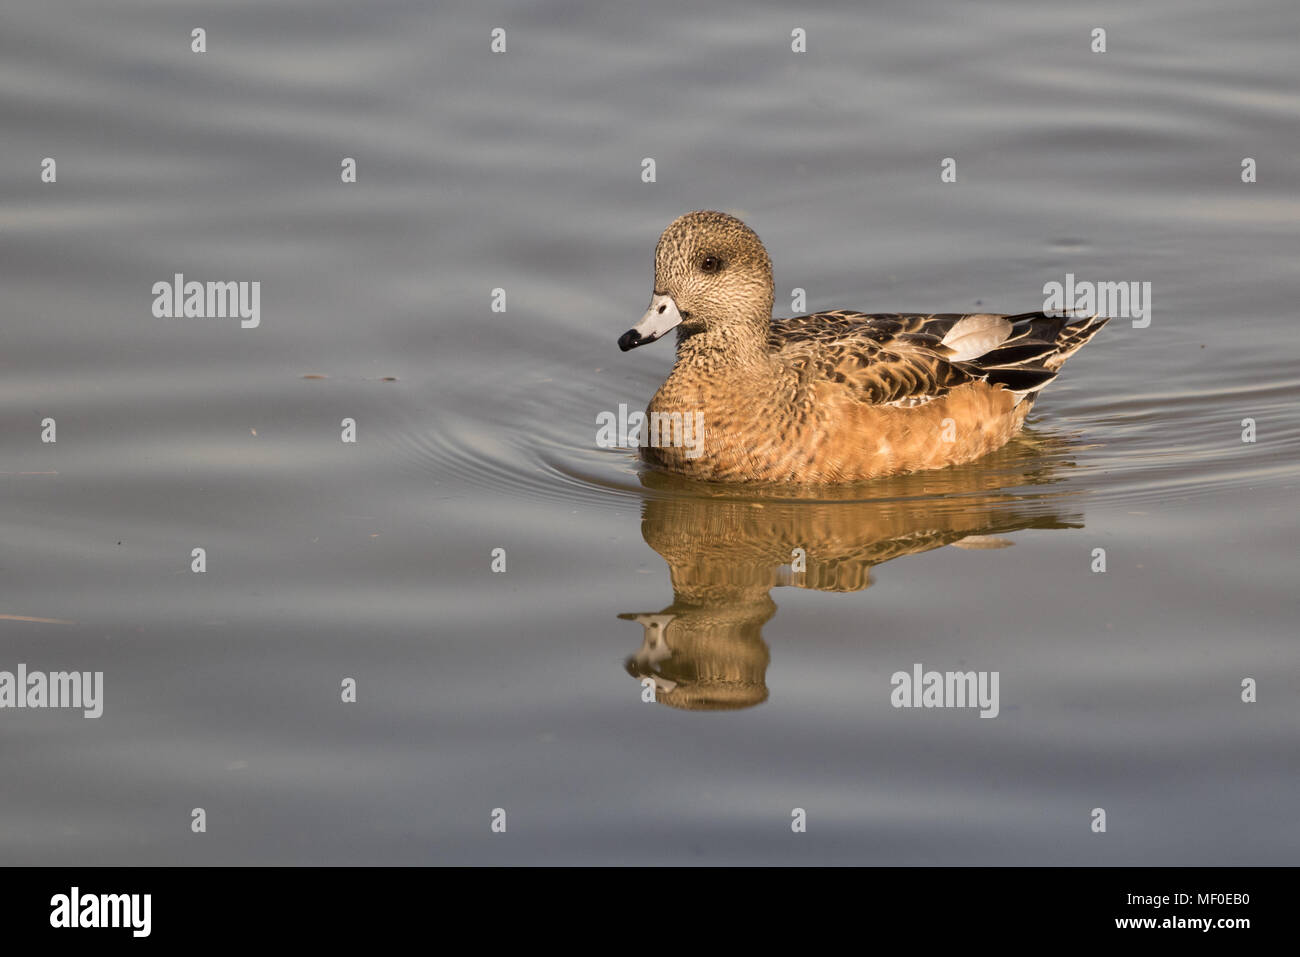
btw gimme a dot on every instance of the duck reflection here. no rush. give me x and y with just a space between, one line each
727 548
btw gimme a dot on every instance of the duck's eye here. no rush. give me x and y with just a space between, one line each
711 264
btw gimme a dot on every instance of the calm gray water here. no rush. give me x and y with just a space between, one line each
518 690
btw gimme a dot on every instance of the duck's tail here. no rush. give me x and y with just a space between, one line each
1038 345
1074 335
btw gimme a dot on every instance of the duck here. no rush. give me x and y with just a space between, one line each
832 397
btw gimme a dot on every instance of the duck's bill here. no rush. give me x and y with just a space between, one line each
661 317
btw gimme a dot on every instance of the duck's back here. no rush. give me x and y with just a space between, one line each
909 359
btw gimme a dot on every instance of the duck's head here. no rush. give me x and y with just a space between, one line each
712 274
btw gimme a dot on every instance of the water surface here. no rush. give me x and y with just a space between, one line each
476 431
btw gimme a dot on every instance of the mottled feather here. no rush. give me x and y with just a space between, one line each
904 360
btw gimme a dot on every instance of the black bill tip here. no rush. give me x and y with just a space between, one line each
630 340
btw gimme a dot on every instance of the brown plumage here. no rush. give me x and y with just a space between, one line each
835 396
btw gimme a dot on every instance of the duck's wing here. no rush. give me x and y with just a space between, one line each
901 359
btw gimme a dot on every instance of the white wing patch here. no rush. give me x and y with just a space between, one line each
975 335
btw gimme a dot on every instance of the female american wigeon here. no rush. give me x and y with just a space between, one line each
832 397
